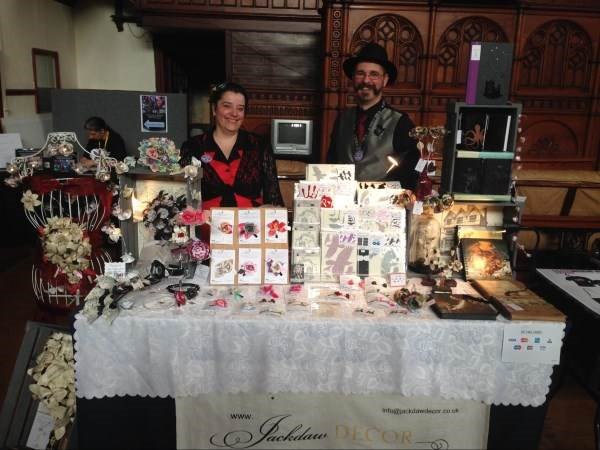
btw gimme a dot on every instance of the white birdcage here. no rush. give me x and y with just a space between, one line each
80 199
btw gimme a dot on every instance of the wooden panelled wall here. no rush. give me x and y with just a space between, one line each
555 72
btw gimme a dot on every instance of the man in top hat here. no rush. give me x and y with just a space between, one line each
372 135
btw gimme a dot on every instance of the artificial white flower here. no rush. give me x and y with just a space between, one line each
114 233
127 258
30 200
54 376
179 235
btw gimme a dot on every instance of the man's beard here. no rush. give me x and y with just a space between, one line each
360 86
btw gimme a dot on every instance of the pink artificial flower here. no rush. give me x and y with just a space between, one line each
249 267
152 153
219 303
198 250
191 216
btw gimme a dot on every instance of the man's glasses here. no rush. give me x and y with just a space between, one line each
373 75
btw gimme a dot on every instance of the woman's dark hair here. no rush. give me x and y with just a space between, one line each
95 124
217 92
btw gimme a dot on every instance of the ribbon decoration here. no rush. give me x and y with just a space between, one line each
43 184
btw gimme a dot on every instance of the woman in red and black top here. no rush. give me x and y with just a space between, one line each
238 166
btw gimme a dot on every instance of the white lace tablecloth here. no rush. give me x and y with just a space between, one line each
177 353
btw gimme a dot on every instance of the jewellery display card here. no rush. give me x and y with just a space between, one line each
276 267
362 255
255 231
310 258
307 211
222 226
385 260
332 172
305 235
379 185
276 229
339 219
222 266
249 265
378 197
331 194
249 226
338 255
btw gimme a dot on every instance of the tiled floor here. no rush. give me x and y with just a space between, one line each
569 422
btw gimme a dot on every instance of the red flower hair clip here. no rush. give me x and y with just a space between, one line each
276 227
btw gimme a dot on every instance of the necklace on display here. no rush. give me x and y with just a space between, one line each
359 148
107 134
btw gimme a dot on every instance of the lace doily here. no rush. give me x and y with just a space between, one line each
169 353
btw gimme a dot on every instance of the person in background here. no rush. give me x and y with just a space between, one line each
370 133
100 135
238 167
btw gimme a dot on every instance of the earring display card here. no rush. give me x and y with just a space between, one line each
276 266
222 226
386 260
305 235
222 266
330 172
379 185
378 197
255 231
249 265
307 211
249 226
339 219
276 226
338 255
310 258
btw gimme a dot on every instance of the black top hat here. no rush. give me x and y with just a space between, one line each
374 53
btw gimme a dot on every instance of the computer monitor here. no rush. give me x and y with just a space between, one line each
292 136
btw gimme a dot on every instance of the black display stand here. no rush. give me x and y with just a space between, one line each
479 151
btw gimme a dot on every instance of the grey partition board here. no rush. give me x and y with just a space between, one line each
19 408
120 109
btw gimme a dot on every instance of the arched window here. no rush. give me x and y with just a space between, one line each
400 38
557 54
453 48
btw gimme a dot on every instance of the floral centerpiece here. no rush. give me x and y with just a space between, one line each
159 154
67 247
161 215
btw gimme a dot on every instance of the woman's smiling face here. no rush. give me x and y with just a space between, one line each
230 112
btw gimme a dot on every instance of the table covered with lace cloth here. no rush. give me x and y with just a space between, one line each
181 352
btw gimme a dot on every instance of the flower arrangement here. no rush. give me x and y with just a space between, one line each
54 376
66 246
162 213
159 154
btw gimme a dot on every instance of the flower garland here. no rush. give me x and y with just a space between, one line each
159 154
162 214
66 246
54 376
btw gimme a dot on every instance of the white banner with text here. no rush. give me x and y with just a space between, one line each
331 421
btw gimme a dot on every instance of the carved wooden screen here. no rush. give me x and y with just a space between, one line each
557 55
453 48
402 41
